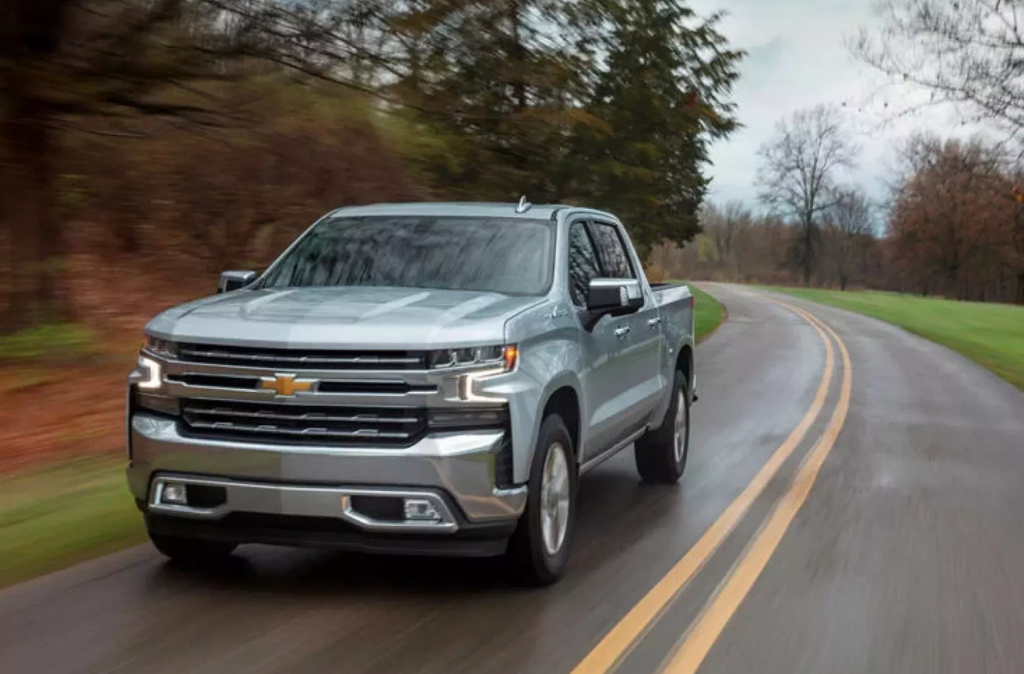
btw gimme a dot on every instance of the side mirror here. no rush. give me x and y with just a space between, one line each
233 280
612 296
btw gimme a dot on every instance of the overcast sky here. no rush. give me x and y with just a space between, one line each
797 59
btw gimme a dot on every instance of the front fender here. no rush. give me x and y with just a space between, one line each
549 359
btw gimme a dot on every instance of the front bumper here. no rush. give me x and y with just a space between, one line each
455 471
487 540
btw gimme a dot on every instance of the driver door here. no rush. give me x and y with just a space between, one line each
603 349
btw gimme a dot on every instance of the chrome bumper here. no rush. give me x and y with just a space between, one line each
318 480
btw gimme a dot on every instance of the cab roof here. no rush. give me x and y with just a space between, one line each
462 209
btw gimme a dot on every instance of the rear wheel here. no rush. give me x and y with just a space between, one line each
190 550
539 546
661 453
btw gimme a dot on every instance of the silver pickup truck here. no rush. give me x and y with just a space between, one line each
414 378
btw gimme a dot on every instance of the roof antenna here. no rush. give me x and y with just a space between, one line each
524 205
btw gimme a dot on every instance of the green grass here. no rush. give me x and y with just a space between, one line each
59 516
65 340
708 314
991 335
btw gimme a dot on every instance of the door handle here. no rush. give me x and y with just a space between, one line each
622 332
654 322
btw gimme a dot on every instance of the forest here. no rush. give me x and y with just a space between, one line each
147 144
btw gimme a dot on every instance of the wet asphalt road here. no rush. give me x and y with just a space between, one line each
907 556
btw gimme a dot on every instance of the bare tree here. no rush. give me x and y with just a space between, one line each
797 173
730 233
968 52
852 226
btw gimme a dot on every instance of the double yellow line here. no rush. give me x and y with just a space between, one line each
698 640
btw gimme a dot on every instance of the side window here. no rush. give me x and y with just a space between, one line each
614 258
583 264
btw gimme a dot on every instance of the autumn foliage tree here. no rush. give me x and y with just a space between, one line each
955 221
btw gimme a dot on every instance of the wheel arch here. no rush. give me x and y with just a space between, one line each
562 395
684 362
565 402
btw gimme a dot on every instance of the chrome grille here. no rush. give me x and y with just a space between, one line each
297 359
307 424
342 386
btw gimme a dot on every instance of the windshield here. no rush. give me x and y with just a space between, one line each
503 255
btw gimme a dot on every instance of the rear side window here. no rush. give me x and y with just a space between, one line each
583 264
614 259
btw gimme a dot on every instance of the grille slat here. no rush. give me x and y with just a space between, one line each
215 381
369 418
303 359
303 432
342 386
395 427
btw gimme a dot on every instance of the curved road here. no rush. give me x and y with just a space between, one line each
837 519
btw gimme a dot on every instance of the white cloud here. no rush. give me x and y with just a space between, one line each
797 58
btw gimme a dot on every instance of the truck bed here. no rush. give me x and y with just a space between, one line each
675 305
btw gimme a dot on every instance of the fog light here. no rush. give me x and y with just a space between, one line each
174 493
421 509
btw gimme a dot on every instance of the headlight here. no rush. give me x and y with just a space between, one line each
482 357
147 375
161 347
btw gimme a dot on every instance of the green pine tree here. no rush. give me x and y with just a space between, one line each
664 94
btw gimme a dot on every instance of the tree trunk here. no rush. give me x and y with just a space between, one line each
15 209
30 34
1019 299
36 239
808 253
49 299
518 55
17 312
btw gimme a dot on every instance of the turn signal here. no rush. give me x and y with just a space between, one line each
511 356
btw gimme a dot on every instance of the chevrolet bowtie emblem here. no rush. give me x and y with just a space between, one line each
286 384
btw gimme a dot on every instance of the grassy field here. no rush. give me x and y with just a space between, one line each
709 313
991 335
58 516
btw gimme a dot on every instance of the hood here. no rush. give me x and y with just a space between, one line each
343 317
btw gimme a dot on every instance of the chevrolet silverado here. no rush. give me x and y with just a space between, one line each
411 378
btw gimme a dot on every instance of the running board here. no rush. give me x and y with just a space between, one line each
601 458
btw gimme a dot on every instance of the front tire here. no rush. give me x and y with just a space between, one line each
191 551
661 453
539 547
